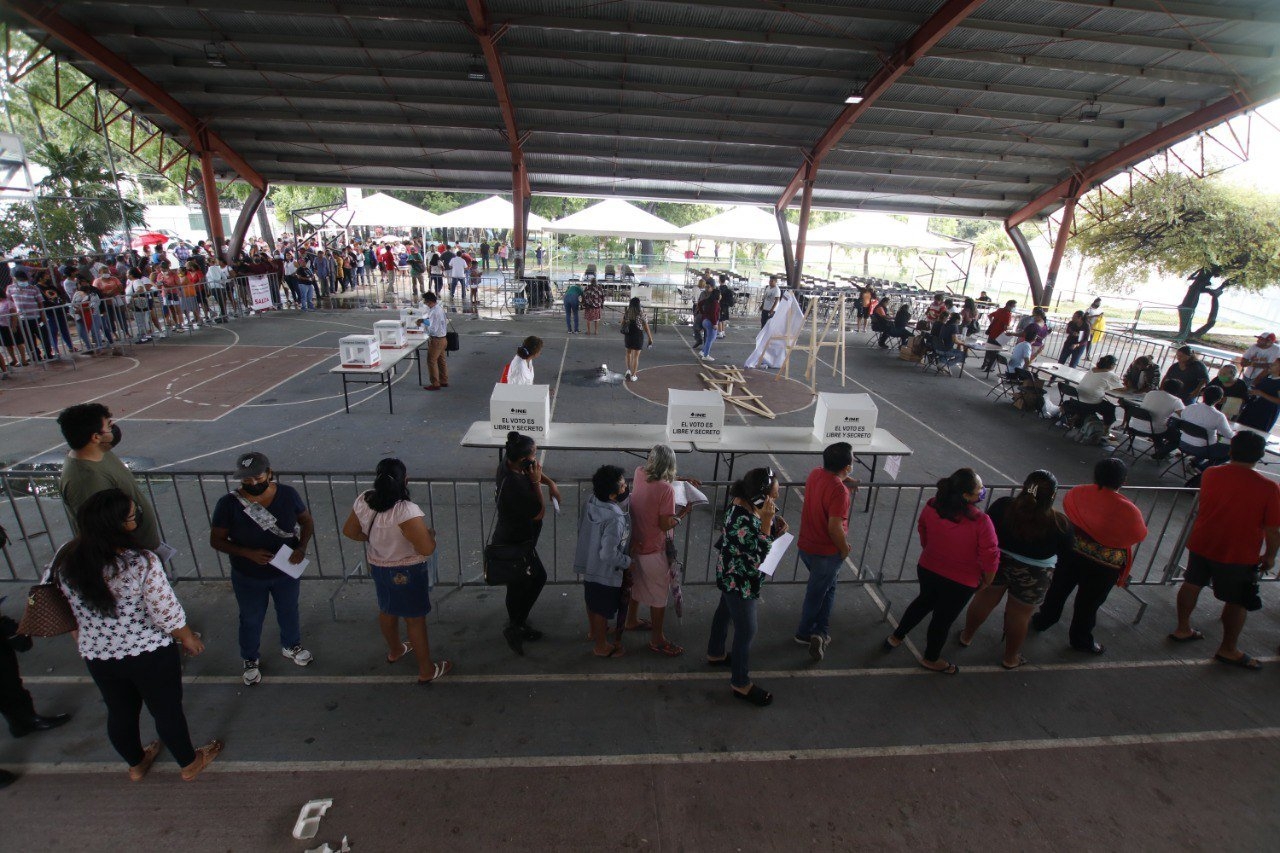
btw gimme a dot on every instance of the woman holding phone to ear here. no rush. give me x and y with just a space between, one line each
750 527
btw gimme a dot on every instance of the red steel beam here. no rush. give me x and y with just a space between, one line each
43 16
947 18
1142 148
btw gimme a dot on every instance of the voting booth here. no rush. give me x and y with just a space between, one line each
359 351
694 415
390 334
845 417
523 408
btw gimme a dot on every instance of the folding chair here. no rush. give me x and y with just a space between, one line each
1183 453
1005 381
1065 392
1136 415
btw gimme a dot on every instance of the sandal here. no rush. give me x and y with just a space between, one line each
667 648
756 696
642 625
1190 638
439 670
1244 661
138 771
727 660
949 669
1021 662
960 639
615 651
888 645
405 648
204 757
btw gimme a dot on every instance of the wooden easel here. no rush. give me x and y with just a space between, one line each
723 379
816 344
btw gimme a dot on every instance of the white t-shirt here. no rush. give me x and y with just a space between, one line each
1018 357
1257 353
1211 419
770 298
520 371
458 267
216 277
387 545
1095 385
1162 405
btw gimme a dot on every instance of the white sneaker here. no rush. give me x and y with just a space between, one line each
707 357
298 655
252 675
634 378
721 335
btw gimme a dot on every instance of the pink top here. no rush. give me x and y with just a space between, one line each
387 545
962 551
649 501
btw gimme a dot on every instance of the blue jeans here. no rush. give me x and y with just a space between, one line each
251 595
708 336
571 314
306 296
742 612
819 594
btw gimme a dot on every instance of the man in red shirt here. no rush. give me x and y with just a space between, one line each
824 523
1000 320
1234 541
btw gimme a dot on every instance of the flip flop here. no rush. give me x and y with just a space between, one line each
756 696
1191 638
949 669
1021 662
139 771
439 671
960 639
724 661
667 648
1244 661
615 651
888 646
642 625
405 648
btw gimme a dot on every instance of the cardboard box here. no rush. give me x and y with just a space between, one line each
845 417
390 334
359 351
694 415
523 408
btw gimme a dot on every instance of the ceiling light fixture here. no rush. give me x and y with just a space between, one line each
215 55
853 99
856 97
477 71
1089 112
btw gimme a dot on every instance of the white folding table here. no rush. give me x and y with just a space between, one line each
384 373
635 439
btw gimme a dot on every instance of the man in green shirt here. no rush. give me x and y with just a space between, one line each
91 467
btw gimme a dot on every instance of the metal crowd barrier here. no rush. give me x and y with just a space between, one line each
885 544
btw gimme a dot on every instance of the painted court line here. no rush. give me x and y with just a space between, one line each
533 762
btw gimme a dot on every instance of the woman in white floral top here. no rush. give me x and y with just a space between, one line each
129 618
749 528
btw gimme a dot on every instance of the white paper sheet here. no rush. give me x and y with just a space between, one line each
281 562
776 551
687 494
892 465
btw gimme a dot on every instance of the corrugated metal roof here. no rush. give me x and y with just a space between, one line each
659 99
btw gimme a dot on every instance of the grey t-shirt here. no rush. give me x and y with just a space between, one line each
82 479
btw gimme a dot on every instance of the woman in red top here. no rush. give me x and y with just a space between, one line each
959 555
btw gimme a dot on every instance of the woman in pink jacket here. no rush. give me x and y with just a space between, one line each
960 554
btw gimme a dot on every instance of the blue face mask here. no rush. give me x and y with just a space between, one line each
982 495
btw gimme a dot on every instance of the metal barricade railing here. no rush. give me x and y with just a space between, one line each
883 536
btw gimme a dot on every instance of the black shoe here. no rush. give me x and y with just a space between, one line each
7 778
514 638
37 723
528 632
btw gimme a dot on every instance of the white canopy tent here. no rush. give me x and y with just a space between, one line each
377 210
878 230
741 224
616 218
494 213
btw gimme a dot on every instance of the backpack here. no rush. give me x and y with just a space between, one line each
726 296
1092 432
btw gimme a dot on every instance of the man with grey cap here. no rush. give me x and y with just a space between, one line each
263 525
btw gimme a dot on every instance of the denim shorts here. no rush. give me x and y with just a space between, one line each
403 591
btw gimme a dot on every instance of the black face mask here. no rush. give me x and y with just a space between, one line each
116 435
255 489
622 496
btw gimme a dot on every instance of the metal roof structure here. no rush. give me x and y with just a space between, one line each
990 108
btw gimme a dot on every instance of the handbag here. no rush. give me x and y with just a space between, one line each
452 343
504 564
1090 549
48 613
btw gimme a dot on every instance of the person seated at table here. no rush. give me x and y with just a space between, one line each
1163 403
1203 413
1141 376
1190 371
936 310
900 327
1263 405
969 316
1077 332
1000 319
879 319
1020 357
1234 390
947 343
1092 391
982 297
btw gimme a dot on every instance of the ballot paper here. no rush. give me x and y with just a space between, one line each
281 562
777 549
687 494
892 465
555 505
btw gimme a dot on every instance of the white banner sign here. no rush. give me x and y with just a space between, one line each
259 293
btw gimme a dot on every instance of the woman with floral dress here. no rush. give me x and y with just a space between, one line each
749 527
592 305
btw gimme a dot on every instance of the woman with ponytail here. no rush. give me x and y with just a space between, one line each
1032 535
520 369
959 554
520 512
397 545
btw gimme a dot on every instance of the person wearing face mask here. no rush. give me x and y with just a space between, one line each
252 525
91 466
824 527
603 555
520 511
959 554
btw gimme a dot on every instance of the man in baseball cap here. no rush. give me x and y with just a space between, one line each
1258 358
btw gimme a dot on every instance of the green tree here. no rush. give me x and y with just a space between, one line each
290 197
1216 234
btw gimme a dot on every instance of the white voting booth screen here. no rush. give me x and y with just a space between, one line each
845 417
694 415
520 408
390 334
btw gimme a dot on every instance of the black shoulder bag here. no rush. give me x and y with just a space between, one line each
504 564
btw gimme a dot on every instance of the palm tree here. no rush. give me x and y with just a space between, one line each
82 190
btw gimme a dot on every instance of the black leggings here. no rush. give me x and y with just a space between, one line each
523 594
153 678
1095 582
944 599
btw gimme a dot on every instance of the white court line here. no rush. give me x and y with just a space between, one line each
532 762
555 395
